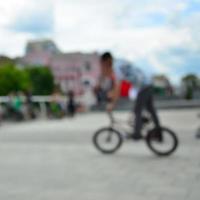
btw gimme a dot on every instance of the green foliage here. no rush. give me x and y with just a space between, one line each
41 79
6 61
159 91
37 79
191 83
13 79
191 80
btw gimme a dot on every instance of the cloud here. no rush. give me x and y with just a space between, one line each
13 44
32 23
129 28
185 57
36 18
21 21
182 60
150 33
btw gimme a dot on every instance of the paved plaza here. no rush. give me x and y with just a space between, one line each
49 160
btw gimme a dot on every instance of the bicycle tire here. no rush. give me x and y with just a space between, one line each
150 138
99 146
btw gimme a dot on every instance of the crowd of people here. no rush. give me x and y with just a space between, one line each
20 106
61 106
17 107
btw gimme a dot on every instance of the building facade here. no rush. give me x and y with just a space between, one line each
75 71
72 71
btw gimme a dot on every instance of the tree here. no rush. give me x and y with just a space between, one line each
13 79
190 83
5 61
42 81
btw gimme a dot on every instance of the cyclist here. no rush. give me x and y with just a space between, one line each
108 87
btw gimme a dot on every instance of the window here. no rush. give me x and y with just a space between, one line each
88 66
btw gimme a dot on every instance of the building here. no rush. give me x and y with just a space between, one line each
72 71
75 71
42 46
39 53
162 85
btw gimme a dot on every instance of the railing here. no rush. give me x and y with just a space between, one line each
40 100
180 103
162 104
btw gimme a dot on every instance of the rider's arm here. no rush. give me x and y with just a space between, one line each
96 88
114 96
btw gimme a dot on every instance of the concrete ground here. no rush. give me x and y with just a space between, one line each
48 160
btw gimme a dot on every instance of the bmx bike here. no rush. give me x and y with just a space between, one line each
161 141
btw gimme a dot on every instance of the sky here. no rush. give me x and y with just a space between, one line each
158 36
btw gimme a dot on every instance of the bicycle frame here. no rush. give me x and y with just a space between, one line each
121 125
124 126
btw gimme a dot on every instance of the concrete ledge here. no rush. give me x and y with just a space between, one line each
178 104
164 104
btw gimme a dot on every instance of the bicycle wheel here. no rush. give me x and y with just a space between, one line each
107 140
162 141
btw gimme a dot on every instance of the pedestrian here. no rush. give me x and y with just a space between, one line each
71 104
29 104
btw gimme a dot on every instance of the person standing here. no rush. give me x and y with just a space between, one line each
29 105
71 104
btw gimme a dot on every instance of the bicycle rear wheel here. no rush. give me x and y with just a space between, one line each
107 140
162 141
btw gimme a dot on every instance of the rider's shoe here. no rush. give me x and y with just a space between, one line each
145 120
156 134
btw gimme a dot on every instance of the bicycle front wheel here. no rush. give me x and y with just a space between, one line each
162 141
107 140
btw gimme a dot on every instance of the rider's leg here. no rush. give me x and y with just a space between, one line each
140 102
198 134
151 108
